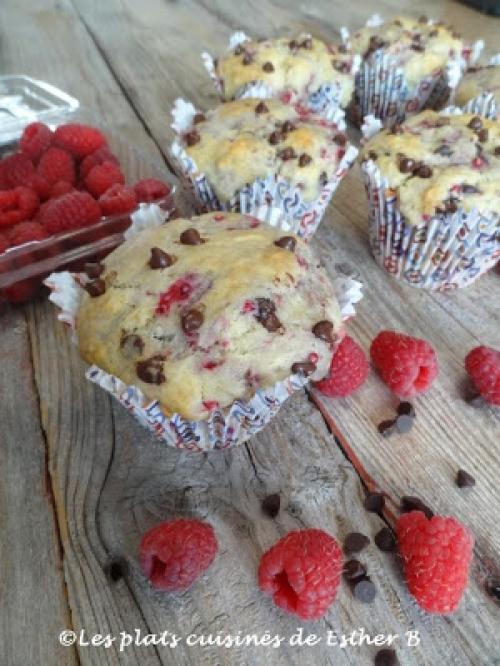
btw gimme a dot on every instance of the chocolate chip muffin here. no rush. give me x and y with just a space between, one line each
199 313
250 139
478 81
293 69
439 163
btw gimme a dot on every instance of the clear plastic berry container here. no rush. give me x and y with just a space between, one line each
24 267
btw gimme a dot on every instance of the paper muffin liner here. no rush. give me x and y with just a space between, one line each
485 103
224 428
381 88
446 252
274 201
325 101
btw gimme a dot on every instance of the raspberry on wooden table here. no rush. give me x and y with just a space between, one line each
436 555
101 177
302 572
57 164
17 205
79 140
25 232
407 365
35 140
151 189
118 199
348 370
483 366
70 211
177 552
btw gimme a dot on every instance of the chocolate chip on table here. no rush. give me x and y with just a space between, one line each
131 345
160 259
354 569
404 423
191 320
95 287
304 368
412 503
374 502
287 153
271 505
191 237
493 587
386 657
116 568
407 164
364 590
386 428
406 407
385 540
323 330
307 43
424 171
464 479
192 137
266 315
275 137
199 118
288 126
304 160
475 123
93 270
150 371
286 243
482 135
261 108
355 541
268 67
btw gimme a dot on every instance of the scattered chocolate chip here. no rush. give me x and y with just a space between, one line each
275 137
287 243
386 657
192 137
341 66
288 126
353 569
386 428
131 345
355 541
482 135
307 43
342 48
199 118
304 160
397 128
406 408
411 503
287 153
450 206
433 33
304 368
497 151
268 67
323 178
406 164
469 189
266 315
247 58
293 45
493 587
238 50
261 108
424 171
95 287
160 259
464 479
423 19
385 540
404 423
444 150
271 505
191 320
374 502
191 237
93 269
323 330
475 123
372 155
340 139
364 590
116 568
417 47
150 370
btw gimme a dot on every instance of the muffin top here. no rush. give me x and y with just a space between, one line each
478 80
420 48
439 163
242 141
295 66
199 313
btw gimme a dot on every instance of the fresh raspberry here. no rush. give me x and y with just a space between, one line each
40 185
25 232
102 176
4 243
15 170
151 189
99 156
483 366
118 199
57 164
17 205
436 555
35 140
71 211
302 572
59 188
407 365
348 370
21 291
79 140
175 553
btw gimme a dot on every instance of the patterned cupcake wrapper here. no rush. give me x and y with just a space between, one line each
446 252
224 428
324 101
484 105
272 200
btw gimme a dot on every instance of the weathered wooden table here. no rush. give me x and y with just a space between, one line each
80 481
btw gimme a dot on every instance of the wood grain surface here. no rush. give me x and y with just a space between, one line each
80 480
